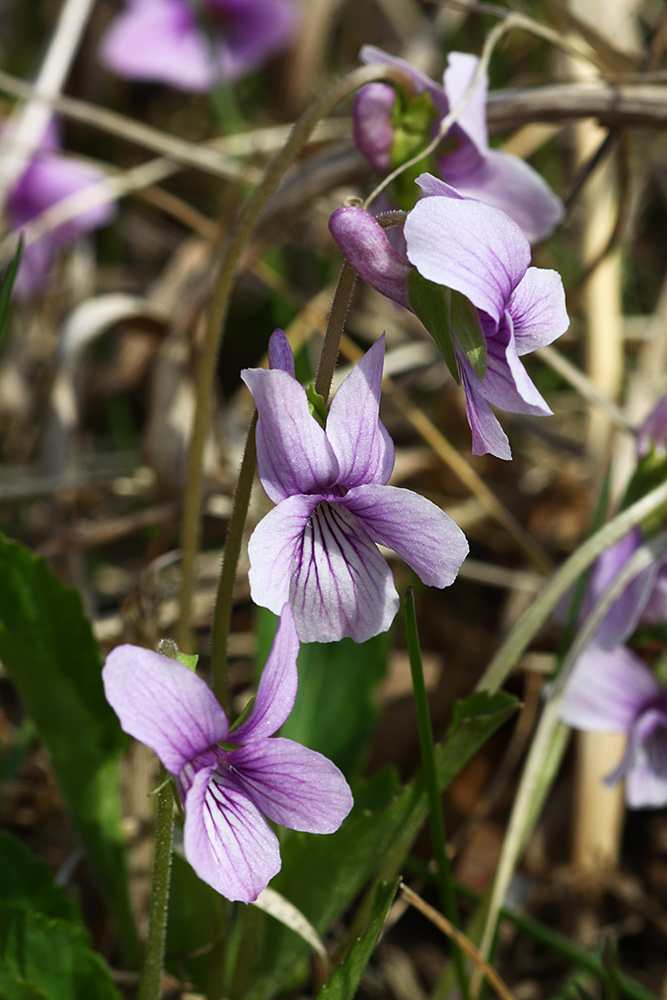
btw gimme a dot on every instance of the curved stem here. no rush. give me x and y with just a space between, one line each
238 239
339 310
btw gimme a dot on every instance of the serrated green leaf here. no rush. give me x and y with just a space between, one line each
431 304
51 958
464 325
47 646
25 881
322 875
8 285
345 980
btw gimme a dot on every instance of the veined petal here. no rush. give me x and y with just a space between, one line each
277 688
488 437
418 531
280 353
371 123
470 247
293 453
506 383
272 549
365 244
537 308
361 442
227 840
461 68
607 691
163 704
292 785
341 585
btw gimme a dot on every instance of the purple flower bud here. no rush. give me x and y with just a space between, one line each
371 123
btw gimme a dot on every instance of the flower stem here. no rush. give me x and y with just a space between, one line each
339 310
237 241
438 835
223 603
151 973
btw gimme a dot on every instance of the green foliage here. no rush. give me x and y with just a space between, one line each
46 959
7 285
47 646
430 303
345 980
322 875
25 881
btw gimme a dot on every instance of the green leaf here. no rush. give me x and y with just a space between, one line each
26 881
464 325
49 959
47 646
345 980
430 302
316 405
335 709
322 875
8 285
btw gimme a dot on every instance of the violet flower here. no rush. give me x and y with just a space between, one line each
48 179
472 167
317 549
227 791
616 692
167 42
478 251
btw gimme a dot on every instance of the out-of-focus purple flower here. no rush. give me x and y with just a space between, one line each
227 790
48 179
479 252
167 41
616 692
653 431
317 549
472 167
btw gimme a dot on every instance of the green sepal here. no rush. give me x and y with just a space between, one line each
244 714
465 326
316 405
188 660
430 303
651 472
168 648
412 122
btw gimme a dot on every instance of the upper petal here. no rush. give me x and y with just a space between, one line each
293 786
461 67
226 839
607 690
418 531
280 352
277 688
341 585
272 549
361 442
293 454
537 308
163 704
470 247
365 244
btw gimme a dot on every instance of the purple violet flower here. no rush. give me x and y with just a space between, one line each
479 252
317 549
48 179
616 692
227 791
653 431
165 41
472 167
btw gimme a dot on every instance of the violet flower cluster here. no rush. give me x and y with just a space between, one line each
611 688
317 549
49 178
465 161
460 244
230 783
169 41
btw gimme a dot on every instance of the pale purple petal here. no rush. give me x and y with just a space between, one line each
371 123
506 383
488 437
163 704
655 610
418 531
470 247
293 453
625 613
361 442
653 431
50 178
272 549
36 263
371 54
226 839
607 690
537 308
366 245
250 32
292 785
432 187
277 687
280 353
461 67
645 788
341 585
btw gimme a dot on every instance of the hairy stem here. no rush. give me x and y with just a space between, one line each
330 347
151 973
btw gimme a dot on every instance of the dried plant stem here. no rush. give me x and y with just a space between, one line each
151 973
238 240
